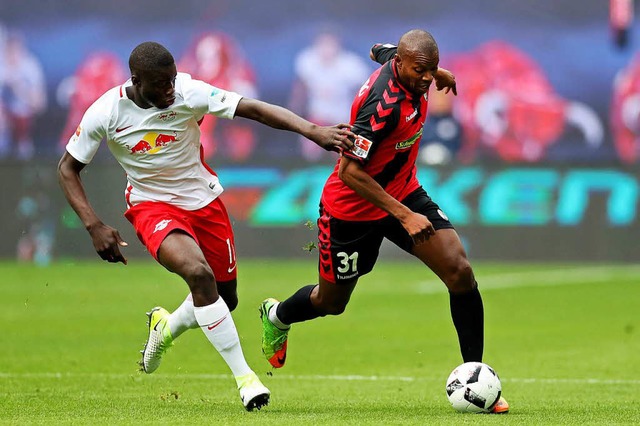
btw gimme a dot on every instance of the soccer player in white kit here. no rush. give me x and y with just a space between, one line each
150 124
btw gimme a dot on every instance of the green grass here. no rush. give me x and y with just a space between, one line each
565 340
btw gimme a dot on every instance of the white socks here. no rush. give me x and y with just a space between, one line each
217 324
273 317
182 318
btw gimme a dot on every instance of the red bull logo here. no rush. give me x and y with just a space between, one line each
152 143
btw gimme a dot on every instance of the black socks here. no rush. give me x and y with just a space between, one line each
467 313
298 307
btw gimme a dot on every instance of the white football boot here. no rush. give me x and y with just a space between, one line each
158 342
252 392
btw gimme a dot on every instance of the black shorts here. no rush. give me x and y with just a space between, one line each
349 249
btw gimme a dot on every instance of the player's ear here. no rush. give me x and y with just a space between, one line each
135 80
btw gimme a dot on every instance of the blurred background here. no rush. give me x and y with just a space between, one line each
535 160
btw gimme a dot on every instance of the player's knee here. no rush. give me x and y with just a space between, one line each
200 273
460 278
200 278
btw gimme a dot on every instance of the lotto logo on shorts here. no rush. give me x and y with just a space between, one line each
361 147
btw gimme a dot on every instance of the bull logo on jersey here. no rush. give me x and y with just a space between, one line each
409 142
152 142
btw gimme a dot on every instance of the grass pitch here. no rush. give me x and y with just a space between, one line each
564 339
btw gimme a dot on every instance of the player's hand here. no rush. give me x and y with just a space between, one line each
445 80
333 138
107 242
418 227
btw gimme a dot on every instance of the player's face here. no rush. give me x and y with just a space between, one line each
157 87
416 70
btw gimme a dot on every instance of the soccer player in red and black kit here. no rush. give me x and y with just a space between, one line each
373 193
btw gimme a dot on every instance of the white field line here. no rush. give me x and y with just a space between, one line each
548 278
311 377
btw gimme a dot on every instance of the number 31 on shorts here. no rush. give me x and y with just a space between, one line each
348 263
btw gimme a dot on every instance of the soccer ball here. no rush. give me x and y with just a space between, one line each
473 387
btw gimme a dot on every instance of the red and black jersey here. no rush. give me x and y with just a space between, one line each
388 121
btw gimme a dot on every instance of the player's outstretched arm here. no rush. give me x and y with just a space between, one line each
331 138
106 240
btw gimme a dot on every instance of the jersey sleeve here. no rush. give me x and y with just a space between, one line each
383 53
373 120
86 140
204 98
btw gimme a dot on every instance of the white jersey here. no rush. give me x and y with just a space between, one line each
159 149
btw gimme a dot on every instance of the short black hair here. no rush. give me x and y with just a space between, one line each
417 41
150 56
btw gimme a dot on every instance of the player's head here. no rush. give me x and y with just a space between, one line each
417 60
153 74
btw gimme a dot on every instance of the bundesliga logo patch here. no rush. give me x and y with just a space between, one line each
361 147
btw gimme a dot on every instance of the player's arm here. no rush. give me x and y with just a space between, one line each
445 80
331 138
355 177
79 152
106 240
381 53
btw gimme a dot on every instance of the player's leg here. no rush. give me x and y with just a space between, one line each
180 254
153 222
168 234
347 250
444 254
309 302
183 317
228 290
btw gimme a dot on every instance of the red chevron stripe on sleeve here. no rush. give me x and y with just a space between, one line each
375 126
